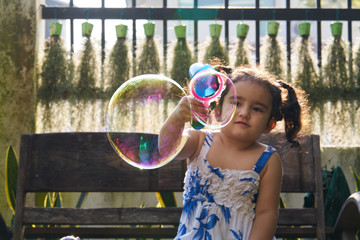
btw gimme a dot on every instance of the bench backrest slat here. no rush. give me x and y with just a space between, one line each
86 162
64 161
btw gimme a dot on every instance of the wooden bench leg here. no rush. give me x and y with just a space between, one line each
5 233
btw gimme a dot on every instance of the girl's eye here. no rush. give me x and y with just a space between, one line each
257 109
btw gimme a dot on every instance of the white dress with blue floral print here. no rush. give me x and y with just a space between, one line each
219 204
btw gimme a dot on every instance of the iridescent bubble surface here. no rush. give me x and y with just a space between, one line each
134 117
218 95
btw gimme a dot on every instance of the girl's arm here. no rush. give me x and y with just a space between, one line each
267 205
172 130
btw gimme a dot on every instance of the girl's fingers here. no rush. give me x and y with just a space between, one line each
186 111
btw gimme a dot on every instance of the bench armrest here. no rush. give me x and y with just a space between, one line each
348 221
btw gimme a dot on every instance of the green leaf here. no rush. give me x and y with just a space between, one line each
282 203
47 200
166 199
11 166
356 179
53 199
82 199
58 200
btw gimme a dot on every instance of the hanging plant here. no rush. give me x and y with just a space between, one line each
182 57
87 69
242 51
357 65
336 71
71 71
274 57
306 73
119 64
149 60
54 84
216 49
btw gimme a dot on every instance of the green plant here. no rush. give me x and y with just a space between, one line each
149 60
357 65
54 83
181 62
357 186
166 199
242 53
274 57
118 66
336 70
71 71
356 179
53 199
86 78
306 73
216 51
11 173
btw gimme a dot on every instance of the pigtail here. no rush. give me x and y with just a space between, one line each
291 112
224 69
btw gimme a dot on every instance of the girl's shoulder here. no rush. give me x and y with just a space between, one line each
194 142
273 163
198 139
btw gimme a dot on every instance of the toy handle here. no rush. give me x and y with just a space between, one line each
193 70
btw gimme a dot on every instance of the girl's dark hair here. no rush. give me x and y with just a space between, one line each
286 104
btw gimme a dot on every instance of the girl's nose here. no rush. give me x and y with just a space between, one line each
244 112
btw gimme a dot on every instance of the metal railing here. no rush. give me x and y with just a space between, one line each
196 14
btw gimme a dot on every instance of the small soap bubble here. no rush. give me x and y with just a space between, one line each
218 95
135 115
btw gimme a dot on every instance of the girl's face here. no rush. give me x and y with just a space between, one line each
251 119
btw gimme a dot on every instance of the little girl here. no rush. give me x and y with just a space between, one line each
233 182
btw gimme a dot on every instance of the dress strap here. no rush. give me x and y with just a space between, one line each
207 144
263 159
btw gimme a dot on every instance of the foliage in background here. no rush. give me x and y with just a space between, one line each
356 179
305 72
335 72
166 199
87 73
216 50
17 85
181 62
356 66
11 168
71 71
149 60
242 53
118 66
274 57
54 84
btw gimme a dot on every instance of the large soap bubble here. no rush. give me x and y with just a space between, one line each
218 95
134 117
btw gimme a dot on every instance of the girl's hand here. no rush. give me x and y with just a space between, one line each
186 107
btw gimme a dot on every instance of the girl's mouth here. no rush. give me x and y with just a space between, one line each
241 123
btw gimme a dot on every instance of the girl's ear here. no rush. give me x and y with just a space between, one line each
271 125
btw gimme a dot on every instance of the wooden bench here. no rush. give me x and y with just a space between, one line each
85 162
